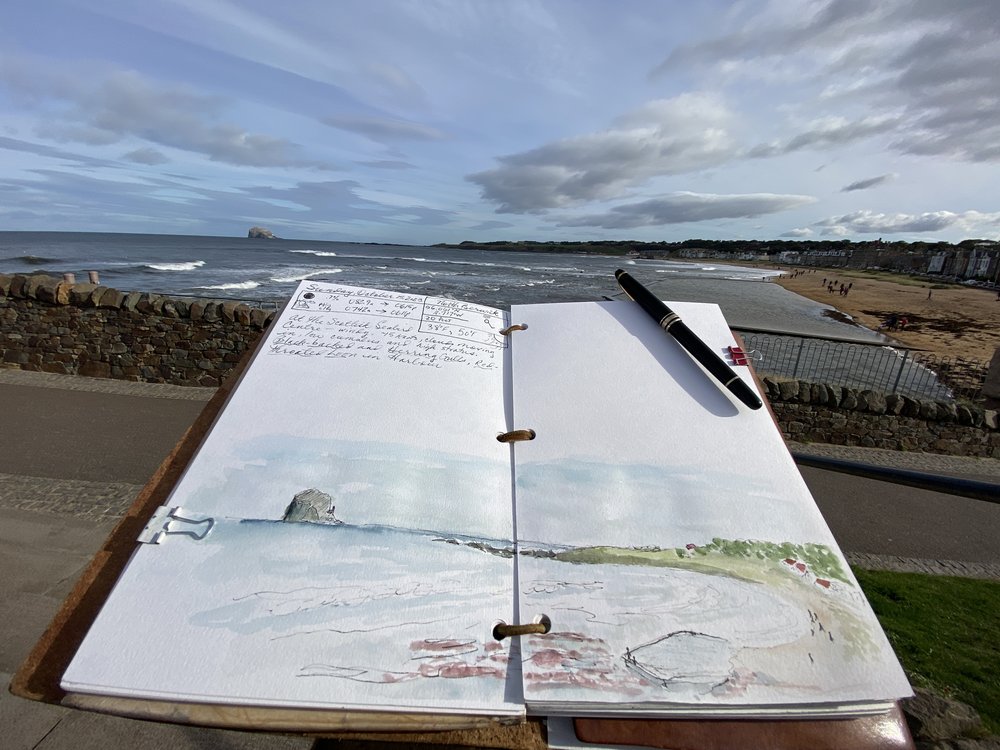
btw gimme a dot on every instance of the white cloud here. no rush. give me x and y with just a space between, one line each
800 232
869 222
668 136
923 72
827 133
385 129
122 105
680 208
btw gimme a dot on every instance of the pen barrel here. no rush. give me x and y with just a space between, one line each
698 349
670 322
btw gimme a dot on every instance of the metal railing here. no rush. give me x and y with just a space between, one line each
867 365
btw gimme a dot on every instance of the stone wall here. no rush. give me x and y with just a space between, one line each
83 329
817 413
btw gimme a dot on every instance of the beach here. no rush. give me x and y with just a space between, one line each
946 320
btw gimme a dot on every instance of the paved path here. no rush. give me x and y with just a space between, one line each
75 451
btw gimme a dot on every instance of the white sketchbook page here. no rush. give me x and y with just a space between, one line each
640 454
384 406
223 621
388 402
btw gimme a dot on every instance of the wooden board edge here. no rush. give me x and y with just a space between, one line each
39 675
277 719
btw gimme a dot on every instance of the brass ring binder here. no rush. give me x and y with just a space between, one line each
502 630
515 435
516 327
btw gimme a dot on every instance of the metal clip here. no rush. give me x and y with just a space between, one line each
163 521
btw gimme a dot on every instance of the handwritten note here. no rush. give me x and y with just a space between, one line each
336 322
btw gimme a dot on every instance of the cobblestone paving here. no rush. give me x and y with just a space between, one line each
918 565
95 501
104 385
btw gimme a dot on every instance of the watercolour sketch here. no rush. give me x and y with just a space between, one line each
667 535
361 551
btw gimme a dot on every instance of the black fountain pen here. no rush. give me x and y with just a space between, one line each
670 322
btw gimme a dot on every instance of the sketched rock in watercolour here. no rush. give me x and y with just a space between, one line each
687 657
311 506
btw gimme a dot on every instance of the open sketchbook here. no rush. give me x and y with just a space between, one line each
351 530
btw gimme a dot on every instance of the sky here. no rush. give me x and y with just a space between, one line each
423 121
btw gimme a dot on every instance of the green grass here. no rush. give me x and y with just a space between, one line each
946 633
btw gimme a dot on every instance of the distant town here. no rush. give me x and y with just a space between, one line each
967 261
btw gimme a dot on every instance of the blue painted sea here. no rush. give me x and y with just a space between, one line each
268 270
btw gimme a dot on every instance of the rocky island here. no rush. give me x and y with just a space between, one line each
259 233
311 506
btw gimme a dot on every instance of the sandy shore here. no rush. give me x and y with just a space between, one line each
951 321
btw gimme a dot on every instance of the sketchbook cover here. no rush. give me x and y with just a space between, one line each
665 531
344 537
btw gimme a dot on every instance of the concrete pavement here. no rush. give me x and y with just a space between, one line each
75 451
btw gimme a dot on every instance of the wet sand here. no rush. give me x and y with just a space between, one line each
952 321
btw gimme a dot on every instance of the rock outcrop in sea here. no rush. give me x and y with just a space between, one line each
259 233
311 506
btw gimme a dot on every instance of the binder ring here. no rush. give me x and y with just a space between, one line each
516 327
515 435
541 626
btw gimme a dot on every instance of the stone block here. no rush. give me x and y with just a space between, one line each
991 419
257 316
242 314
31 285
197 309
131 301
911 407
145 303
872 402
212 312
805 392
928 410
964 415
112 299
5 279
169 309
788 390
849 400
947 411
894 404
96 296
79 294
17 283
228 311
53 291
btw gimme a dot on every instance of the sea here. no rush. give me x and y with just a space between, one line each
267 271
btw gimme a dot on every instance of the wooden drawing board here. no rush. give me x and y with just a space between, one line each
38 677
